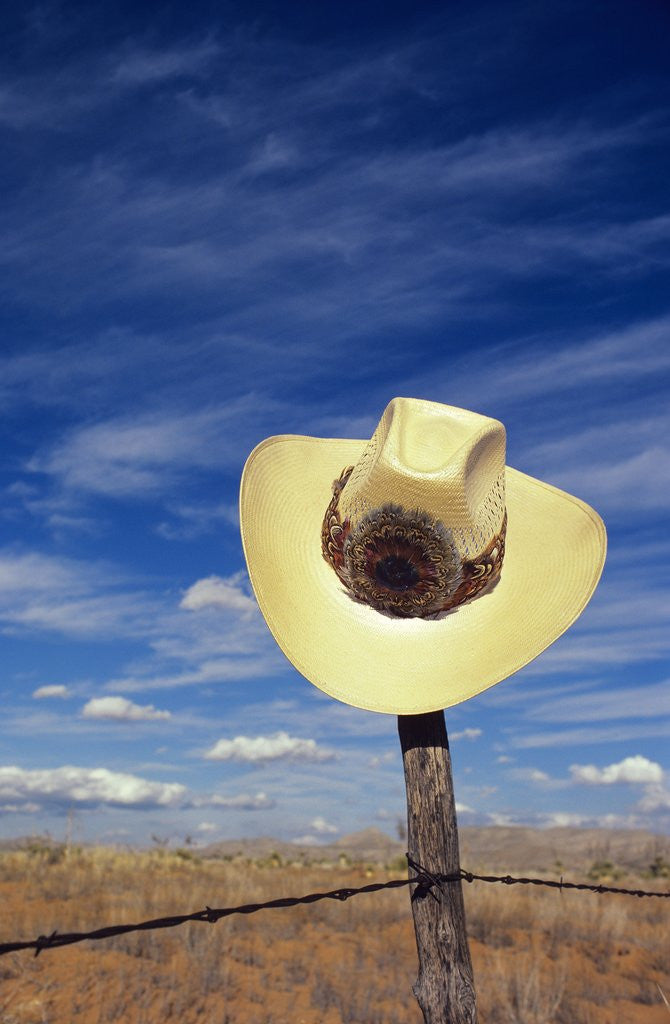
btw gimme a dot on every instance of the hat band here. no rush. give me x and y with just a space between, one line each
405 562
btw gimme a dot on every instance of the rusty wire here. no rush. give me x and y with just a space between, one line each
425 880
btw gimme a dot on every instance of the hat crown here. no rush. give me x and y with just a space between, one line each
438 459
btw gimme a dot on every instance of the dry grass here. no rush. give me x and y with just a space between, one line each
540 957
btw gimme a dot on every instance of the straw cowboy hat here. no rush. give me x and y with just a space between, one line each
409 572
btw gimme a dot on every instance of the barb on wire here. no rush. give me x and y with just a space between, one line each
424 880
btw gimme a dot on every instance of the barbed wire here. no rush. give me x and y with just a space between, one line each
425 881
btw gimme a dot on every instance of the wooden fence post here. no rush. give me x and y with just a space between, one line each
445 985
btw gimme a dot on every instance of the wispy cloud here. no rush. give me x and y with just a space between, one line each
591 734
292 178
57 103
240 802
144 454
204 643
85 375
465 734
632 351
190 521
649 700
24 572
533 775
209 672
388 757
41 592
138 67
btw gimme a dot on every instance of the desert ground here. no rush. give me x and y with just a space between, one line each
540 956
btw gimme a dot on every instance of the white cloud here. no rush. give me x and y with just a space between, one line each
207 827
635 769
571 819
258 749
89 786
241 802
563 819
213 591
323 827
530 775
656 798
119 709
466 734
27 808
50 691
307 840
463 808
387 758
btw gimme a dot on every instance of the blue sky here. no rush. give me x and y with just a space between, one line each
222 222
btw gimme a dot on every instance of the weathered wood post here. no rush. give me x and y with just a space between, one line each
445 985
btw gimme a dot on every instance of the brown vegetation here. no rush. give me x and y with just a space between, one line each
540 956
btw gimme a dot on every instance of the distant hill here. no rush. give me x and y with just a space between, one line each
371 845
499 849
521 849
495 849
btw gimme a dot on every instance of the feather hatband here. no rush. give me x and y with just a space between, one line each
405 562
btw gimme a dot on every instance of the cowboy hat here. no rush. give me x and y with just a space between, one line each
408 572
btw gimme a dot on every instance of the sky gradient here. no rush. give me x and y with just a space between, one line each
222 223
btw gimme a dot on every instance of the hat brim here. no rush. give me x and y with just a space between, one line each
555 551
